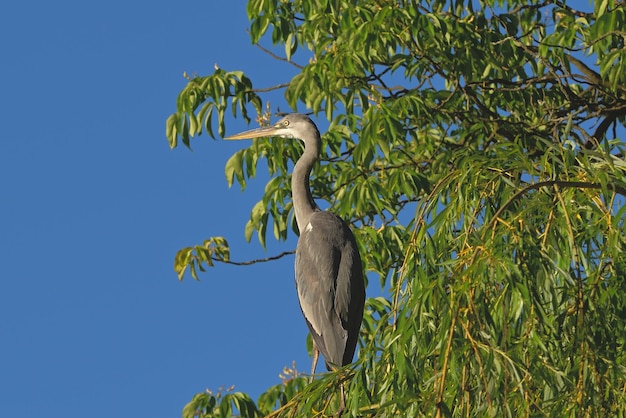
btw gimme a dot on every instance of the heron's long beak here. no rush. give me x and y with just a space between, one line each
255 133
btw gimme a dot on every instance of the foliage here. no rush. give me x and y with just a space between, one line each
475 149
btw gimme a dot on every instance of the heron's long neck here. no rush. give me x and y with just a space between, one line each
303 202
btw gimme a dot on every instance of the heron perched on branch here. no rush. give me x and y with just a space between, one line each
329 275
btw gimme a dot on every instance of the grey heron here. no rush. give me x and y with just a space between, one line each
328 270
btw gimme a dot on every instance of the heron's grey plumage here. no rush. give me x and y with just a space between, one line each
329 274
330 286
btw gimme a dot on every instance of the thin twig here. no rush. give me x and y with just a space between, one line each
278 57
266 89
258 260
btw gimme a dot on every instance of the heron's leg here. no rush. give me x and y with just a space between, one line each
342 405
316 356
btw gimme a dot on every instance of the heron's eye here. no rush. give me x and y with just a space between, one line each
286 123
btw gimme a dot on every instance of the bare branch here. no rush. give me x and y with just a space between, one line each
259 260
279 58
604 126
266 89
573 11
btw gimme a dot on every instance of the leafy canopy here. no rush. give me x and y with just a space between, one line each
475 148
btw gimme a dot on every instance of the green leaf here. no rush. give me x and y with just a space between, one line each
234 169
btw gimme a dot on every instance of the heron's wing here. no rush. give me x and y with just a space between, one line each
349 271
350 293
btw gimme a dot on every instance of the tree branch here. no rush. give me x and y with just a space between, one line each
266 89
278 57
259 260
604 126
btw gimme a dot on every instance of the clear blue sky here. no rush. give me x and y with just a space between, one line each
94 205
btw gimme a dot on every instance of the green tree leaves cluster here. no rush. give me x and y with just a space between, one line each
475 148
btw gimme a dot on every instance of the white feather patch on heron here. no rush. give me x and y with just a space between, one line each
308 227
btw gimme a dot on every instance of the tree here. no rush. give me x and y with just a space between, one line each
475 149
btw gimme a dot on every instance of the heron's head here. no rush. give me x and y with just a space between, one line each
294 125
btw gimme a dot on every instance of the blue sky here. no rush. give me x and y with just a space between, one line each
93 321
